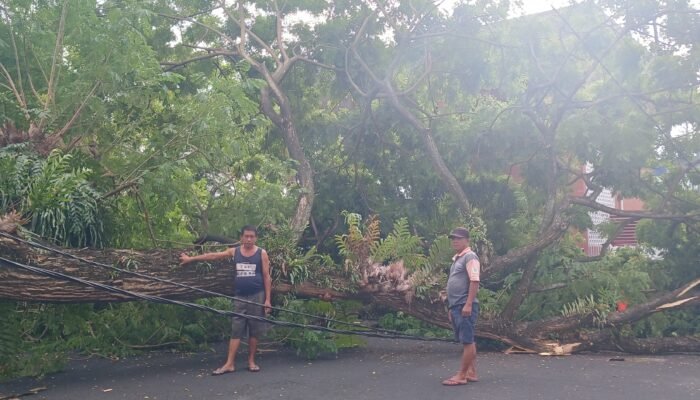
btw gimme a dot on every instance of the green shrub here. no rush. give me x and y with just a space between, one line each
311 344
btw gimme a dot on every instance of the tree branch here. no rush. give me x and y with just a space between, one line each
147 218
318 63
268 109
57 54
17 66
360 60
221 34
421 78
503 264
606 246
15 91
59 135
632 214
349 76
585 177
598 61
587 74
684 296
547 288
119 189
278 27
246 31
673 185
174 65
522 289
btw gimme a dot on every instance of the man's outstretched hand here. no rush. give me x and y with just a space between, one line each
185 259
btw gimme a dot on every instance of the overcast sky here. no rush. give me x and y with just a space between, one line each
535 6
529 6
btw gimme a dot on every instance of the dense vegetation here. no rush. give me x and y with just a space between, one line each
357 134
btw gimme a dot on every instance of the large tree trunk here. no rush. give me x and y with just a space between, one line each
576 333
284 120
21 285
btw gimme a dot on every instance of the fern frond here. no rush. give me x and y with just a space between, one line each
55 196
439 254
399 244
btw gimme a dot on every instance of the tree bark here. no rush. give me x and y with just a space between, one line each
521 290
284 120
20 285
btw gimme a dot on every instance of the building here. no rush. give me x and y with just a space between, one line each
593 239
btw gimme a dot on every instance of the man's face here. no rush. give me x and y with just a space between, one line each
459 244
248 238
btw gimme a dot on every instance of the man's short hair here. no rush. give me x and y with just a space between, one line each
249 228
459 233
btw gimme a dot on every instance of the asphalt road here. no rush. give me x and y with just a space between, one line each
383 369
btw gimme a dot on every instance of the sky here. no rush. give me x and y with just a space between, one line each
529 6
535 6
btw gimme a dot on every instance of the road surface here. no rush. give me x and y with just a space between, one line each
383 369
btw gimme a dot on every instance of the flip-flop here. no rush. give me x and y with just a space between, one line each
254 368
219 371
452 382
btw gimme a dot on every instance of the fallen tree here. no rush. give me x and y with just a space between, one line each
552 104
574 333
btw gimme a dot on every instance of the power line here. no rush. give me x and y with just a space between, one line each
182 285
200 290
209 292
162 300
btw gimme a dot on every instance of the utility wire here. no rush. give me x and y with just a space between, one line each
162 300
182 285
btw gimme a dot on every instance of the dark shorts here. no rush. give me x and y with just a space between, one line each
240 326
464 326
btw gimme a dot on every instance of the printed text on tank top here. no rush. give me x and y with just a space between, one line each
243 269
249 279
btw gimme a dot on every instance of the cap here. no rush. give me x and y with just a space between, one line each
461 233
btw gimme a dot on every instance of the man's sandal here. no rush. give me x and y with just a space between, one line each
453 382
221 371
